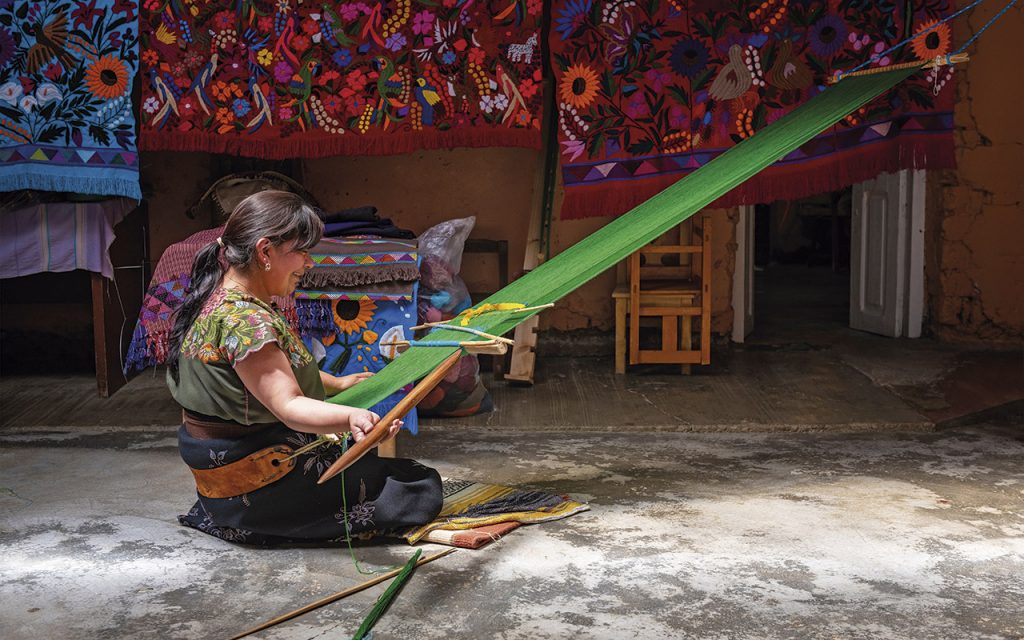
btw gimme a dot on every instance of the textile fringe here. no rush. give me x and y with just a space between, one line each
146 350
335 277
88 185
513 502
799 180
314 317
308 146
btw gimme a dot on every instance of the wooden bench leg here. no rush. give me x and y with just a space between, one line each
687 329
388 449
620 335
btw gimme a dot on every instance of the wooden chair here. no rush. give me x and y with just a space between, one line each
671 282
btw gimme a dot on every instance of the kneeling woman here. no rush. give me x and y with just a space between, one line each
252 394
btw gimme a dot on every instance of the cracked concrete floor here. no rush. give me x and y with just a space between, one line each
690 535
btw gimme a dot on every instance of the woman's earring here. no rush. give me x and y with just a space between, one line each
266 265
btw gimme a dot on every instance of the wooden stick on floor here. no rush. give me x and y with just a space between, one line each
338 596
411 399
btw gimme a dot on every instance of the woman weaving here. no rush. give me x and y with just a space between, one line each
252 394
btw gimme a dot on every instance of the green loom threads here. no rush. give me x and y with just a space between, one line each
614 242
385 598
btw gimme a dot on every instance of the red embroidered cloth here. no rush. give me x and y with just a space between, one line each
650 91
286 78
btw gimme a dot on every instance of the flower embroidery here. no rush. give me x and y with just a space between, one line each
232 325
107 78
361 513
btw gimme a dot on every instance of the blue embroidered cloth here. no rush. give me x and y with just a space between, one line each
66 72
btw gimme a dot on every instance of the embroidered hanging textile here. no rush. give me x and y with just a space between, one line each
649 91
285 78
66 72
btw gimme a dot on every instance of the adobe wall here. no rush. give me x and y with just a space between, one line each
498 186
975 267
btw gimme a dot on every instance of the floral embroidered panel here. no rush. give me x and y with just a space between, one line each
66 119
286 78
649 91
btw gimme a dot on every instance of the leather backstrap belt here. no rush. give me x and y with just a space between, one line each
246 475
252 472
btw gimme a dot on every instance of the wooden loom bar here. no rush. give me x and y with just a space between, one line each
338 596
404 406
917 64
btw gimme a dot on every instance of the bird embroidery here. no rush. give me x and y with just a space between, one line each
166 97
734 78
428 99
201 81
789 71
51 39
301 88
394 89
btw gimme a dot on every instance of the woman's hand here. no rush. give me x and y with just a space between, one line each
337 384
353 379
361 422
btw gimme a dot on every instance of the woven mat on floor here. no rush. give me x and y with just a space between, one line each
475 505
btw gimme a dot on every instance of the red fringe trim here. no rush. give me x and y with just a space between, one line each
778 182
316 144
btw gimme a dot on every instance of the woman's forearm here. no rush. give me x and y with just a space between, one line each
314 416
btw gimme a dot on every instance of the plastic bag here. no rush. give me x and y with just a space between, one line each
443 295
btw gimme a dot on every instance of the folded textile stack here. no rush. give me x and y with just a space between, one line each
362 221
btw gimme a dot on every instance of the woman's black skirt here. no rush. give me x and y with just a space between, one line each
382 495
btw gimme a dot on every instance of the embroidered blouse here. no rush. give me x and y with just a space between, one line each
231 326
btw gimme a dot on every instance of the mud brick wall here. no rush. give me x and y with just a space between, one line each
975 263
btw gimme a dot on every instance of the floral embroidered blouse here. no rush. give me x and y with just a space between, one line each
231 326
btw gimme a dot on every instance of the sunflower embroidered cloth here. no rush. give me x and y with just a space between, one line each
364 302
649 91
286 78
66 120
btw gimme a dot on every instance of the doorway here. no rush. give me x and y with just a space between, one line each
802 270
814 268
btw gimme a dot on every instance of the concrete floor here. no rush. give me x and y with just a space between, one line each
690 535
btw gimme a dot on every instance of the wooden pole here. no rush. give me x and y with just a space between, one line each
918 64
338 596
420 391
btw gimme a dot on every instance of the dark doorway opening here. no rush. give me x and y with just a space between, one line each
802 271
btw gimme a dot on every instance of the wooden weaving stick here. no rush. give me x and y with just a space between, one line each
338 596
404 406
